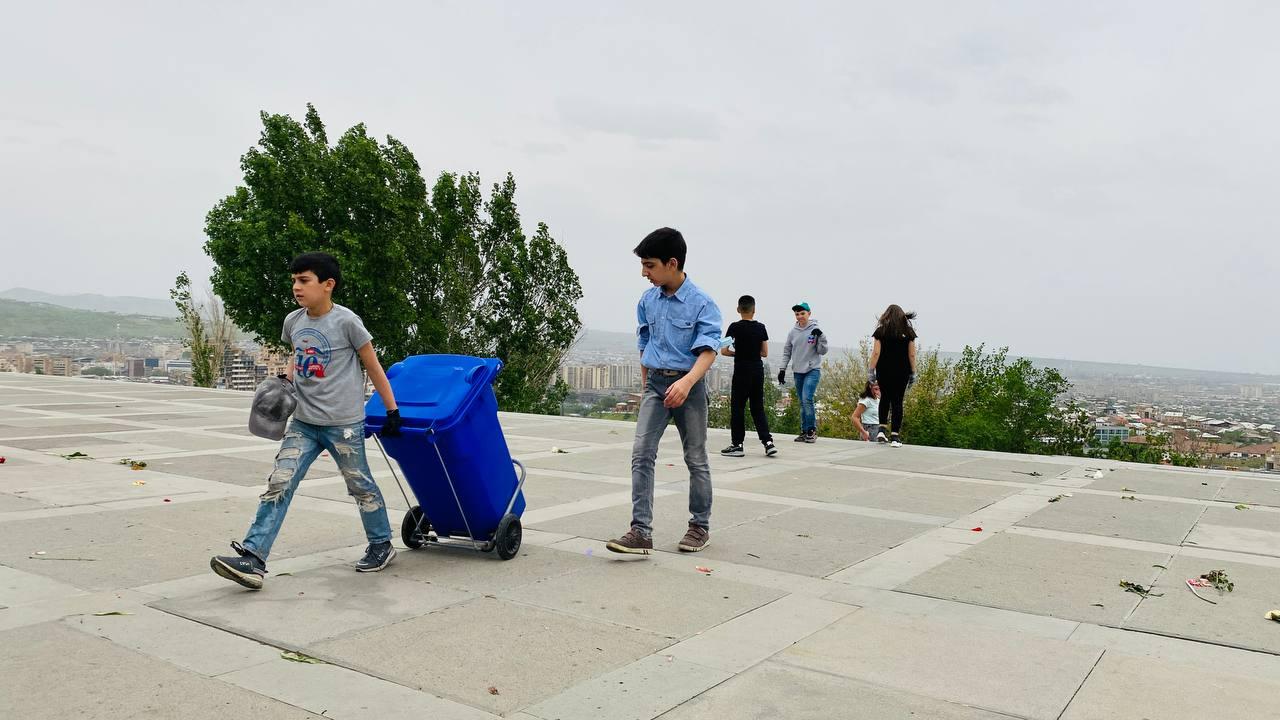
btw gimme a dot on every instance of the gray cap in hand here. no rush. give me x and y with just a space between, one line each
273 403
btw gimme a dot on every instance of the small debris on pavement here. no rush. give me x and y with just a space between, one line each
300 658
1194 583
1273 615
1242 506
1137 589
167 500
1 459
560 451
77 455
703 569
754 555
1127 489
976 529
493 690
134 464
137 483
1219 581
1098 605
1056 498
1129 497
111 612
1162 567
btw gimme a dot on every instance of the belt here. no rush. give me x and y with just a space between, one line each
670 373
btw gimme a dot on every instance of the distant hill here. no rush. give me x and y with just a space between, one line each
124 305
27 319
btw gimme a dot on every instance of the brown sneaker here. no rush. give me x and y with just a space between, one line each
697 538
633 542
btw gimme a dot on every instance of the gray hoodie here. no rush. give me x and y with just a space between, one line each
802 350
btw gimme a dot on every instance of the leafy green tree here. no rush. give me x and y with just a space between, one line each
440 272
202 338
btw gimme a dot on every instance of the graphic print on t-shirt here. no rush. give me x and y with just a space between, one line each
311 353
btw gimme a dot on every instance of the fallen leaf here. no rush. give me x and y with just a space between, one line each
1127 489
558 450
77 455
1 459
1098 605
110 612
300 658
1137 589
283 574
1161 567
1129 497
493 690
1242 507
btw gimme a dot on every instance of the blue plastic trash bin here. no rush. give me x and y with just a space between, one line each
452 451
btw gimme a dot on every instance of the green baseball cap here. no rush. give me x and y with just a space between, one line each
801 306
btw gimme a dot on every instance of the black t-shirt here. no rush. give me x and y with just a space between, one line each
894 360
748 335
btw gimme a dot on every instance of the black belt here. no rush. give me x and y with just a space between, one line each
670 373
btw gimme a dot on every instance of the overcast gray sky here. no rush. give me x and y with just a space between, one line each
1094 181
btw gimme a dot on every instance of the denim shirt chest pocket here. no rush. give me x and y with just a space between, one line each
680 333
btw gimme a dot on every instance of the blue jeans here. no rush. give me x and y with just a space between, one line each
302 444
807 387
651 421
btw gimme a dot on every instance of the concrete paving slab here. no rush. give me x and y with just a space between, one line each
16 503
905 458
1009 470
298 610
147 545
775 690
1237 618
813 482
184 643
110 450
941 660
545 491
1236 539
60 440
809 542
640 691
1253 518
20 588
232 469
959 614
344 694
1123 688
670 518
526 653
1251 491
753 637
1200 486
930 496
1185 653
485 573
655 599
1147 518
53 671
1042 577
183 440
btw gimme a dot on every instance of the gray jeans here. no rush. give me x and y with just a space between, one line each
651 421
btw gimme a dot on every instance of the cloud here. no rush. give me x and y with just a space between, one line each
657 121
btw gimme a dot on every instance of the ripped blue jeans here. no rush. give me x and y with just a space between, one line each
302 443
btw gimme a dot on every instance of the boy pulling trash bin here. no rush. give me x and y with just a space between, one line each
678 334
330 343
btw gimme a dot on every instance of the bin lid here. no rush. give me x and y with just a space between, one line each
433 390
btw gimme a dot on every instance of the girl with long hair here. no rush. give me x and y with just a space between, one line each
893 366
866 417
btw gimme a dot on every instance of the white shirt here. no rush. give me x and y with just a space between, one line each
871 415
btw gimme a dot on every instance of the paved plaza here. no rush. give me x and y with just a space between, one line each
844 580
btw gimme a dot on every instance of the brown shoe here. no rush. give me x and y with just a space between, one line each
697 538
633 542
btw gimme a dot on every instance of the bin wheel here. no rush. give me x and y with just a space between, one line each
414 528
507 538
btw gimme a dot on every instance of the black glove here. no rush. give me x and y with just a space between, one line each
391 428
817 333
782 376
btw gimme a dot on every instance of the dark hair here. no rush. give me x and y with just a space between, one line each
866 390
324 265
895 322
664 244
746 303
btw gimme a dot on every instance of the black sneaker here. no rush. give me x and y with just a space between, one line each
769 449
801 437
245 567
733 451
376 557
811 437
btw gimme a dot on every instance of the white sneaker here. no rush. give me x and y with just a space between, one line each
882 438
895 443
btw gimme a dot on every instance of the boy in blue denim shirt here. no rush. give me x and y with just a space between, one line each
330 344
678 333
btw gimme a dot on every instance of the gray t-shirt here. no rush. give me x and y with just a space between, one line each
326 369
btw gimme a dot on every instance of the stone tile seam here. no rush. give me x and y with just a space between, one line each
1146 546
